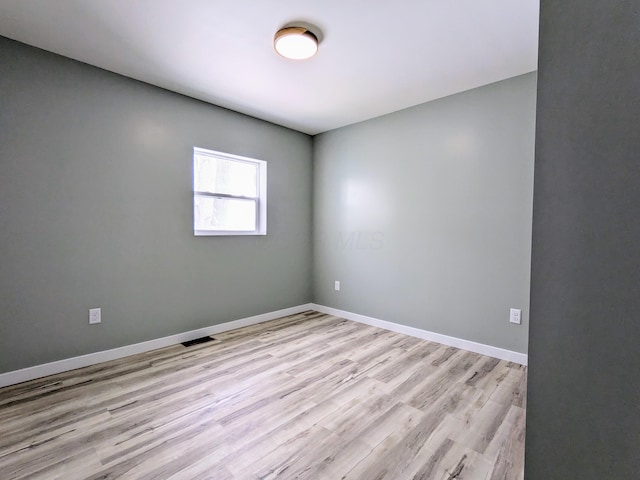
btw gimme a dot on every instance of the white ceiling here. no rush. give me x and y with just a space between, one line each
375 57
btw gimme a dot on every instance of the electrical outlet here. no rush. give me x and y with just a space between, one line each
95 315
337 285
515 316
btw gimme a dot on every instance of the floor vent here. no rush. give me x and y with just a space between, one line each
198 341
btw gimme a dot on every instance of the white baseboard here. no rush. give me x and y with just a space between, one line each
481 348
38 371
30 373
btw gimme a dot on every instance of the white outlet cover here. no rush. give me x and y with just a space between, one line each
337 285
515 316
95 315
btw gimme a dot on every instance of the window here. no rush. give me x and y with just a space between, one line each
229 194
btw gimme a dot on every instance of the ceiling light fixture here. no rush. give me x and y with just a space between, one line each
296 43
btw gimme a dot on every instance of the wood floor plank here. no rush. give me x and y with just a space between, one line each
305 396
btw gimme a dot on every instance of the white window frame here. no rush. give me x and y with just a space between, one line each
260 199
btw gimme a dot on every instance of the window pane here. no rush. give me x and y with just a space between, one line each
227 176
228 214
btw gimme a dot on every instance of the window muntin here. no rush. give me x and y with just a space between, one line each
229 195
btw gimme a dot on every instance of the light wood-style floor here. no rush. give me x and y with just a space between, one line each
307 396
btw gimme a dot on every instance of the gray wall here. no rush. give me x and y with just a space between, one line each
583 408
96 211
424 215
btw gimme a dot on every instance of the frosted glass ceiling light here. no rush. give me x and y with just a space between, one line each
296 43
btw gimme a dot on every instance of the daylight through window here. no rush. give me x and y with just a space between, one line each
229 194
